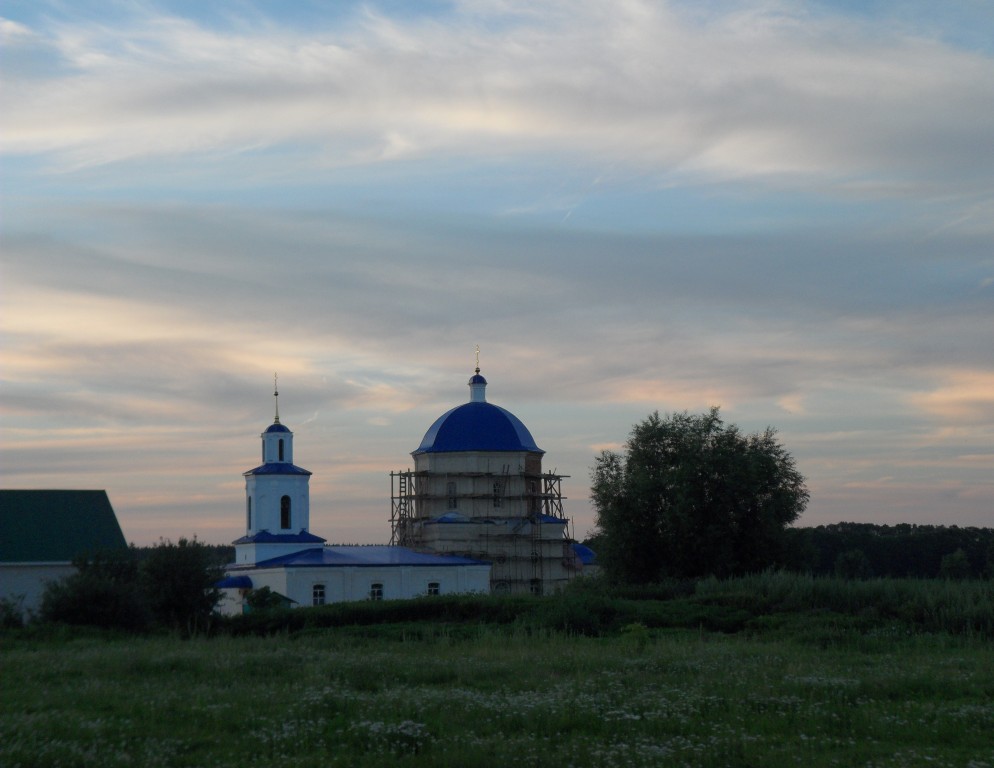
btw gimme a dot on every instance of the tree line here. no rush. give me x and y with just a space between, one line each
691 496
863 550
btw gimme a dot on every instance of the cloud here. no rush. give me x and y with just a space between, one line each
963 397
764 92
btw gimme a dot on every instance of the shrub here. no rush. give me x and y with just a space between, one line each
96 596
12 612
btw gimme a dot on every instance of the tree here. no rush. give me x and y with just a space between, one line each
693 497
103 592
853 564
955 565
179 580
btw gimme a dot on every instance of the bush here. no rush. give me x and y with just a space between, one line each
12 612
264 599
172 588
104 592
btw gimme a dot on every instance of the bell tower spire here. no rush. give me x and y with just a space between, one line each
276 394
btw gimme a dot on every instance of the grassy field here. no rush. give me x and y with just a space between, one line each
487 695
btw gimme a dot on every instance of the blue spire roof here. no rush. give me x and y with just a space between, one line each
277 427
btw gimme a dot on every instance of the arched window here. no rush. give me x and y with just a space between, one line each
450 491
317 594
281 449
376 591
285 512
248 512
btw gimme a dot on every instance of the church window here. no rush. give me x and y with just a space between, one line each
285 512
498 487
535 586
450 491
317 594
281 449
376 591
434 588
248 512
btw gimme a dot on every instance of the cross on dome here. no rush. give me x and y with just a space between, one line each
477 384
276 394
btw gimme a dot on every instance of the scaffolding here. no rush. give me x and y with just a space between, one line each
514 525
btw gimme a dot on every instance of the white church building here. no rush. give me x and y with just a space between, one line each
278 550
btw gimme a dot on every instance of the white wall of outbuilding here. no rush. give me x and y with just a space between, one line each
353 583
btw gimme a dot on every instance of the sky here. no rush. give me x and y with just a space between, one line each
785 209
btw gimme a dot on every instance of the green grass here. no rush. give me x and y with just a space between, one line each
499 695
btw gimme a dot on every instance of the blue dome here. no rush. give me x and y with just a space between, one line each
477 379
277 428
477 427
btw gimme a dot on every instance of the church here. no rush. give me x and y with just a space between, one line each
478 490
279 551
476 514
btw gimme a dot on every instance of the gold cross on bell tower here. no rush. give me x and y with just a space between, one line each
276 394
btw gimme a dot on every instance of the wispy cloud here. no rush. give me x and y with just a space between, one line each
763 91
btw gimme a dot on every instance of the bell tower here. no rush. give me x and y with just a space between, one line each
276 492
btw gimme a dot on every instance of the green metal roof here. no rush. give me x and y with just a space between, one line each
56 526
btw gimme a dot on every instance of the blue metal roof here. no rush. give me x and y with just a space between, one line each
477 427
265 537
341 556
586 554
277 468
277 428
234 582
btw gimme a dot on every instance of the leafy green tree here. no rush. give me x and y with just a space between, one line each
955 565
178 580
853 564
104 592
691 497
